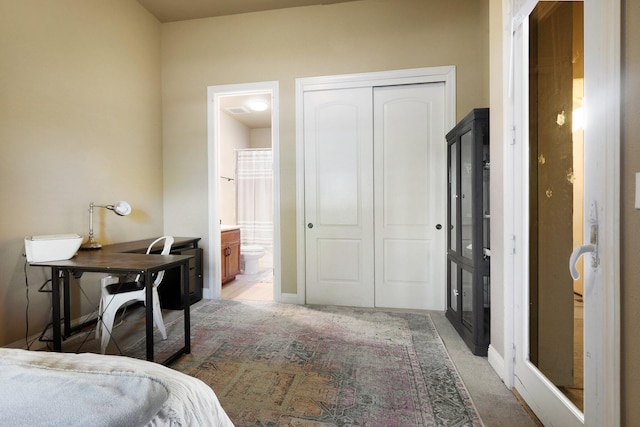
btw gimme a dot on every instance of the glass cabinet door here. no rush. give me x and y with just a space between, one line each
453 196
467 299
453 287
466 193
454 236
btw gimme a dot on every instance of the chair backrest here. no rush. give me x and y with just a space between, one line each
168 241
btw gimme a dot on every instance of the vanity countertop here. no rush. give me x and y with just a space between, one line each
224 228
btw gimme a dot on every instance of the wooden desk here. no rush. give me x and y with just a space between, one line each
101 261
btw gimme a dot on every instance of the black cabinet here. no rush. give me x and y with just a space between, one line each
468 242
169 290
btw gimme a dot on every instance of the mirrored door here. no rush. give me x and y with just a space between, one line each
566 338
556 82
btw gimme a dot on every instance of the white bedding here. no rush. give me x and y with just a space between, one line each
62 389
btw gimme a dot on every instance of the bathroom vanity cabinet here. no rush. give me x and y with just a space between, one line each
468 243
230 254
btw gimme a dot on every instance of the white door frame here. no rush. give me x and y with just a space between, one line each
445 74
214 93
602 55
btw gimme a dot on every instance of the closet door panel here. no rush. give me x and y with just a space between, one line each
339 197
409 171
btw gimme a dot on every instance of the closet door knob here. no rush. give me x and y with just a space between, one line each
439 227
310 225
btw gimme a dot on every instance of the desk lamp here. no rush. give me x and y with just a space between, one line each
121 208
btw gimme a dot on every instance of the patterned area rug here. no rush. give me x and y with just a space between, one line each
287 365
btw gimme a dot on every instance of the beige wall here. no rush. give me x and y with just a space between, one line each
233 135
630 242
283 45
261 138
80 121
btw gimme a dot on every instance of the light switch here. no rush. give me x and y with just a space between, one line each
637 190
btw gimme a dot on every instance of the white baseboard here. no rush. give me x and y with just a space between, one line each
497 363
286 298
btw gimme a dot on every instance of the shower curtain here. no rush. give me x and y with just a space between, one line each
254 196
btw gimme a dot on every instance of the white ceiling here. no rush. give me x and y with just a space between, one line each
181 10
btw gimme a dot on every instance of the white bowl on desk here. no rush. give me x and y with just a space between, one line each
51 247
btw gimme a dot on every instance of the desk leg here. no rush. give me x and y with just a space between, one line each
186 303
66 305
148 280
55 305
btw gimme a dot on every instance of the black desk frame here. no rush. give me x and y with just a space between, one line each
119 264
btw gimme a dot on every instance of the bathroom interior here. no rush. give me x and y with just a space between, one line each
246 196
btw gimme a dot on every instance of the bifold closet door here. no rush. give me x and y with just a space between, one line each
338 143
410 196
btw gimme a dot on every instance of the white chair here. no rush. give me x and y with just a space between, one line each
115 294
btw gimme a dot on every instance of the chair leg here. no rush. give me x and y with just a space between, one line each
104 282
157 314
99 320
108 317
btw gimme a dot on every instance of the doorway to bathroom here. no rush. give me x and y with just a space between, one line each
244 192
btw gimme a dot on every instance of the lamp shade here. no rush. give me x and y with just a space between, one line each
121 207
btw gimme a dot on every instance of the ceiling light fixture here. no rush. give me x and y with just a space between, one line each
258 105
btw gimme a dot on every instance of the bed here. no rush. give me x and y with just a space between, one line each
53 389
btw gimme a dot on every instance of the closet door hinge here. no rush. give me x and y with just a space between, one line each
513 136
513 245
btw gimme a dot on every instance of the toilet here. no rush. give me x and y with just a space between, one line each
249 257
